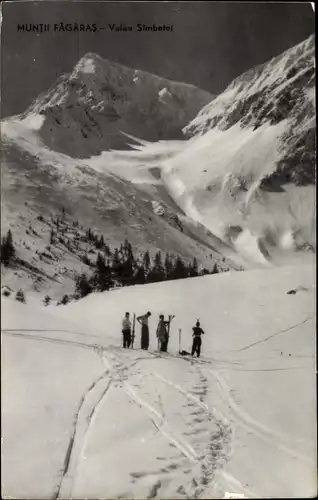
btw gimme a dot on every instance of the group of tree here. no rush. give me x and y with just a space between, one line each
19 296
117 267
122 268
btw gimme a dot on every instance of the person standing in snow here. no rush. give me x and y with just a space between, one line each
162 333
197 332
126 330
143 321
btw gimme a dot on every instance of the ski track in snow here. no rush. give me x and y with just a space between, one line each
217 447
245 420
240 418
205 464
22 334
83 418
85 415
280 332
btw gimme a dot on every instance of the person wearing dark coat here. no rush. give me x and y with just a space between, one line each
162 333
143 321
196 346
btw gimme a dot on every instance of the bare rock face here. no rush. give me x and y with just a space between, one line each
282 89
87 110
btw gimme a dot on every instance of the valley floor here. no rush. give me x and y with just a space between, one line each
83 417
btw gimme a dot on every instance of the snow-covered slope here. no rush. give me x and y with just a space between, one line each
247 171
114 194
86 111
255 148
242 419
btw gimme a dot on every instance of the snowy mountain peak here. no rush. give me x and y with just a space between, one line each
87 110
86 64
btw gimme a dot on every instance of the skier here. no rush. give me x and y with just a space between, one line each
143 321
162 333
126 330
197 332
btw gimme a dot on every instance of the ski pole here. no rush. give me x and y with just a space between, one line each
179 339
133 331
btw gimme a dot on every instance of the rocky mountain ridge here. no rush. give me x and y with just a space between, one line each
87 110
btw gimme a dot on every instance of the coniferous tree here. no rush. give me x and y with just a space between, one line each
193 268
65 300
116 259
215 269
7 248
152 276
140 278
205 271
52 235
179 270
10 242
146 261
20 296
90 235
116 266
98 244
127 249
47 300
102 278
124 266
127 271
168 266
83 286
158 259
156 273
100 263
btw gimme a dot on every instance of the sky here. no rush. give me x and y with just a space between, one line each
210 45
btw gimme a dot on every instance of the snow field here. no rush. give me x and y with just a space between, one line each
114 423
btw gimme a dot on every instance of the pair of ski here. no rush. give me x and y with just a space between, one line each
133 331
171 316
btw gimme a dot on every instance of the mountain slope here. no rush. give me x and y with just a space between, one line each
239 190
247 171
86 111
113 194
